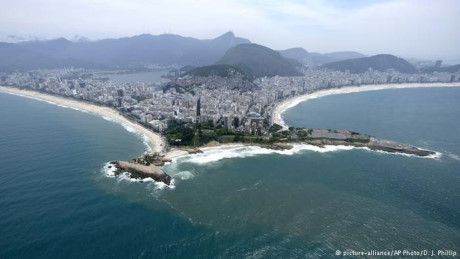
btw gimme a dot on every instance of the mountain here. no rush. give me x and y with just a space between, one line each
343 55
15 57
256 60
217 70
380 62
317 59
299 54
166 49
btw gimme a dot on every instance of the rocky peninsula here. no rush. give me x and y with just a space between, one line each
199 135
148 165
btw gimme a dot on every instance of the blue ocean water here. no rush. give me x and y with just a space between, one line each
56 201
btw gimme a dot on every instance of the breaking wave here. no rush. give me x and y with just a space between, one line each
249 151
109 171
436 155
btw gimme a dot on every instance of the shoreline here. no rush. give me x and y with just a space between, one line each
155 141
287 104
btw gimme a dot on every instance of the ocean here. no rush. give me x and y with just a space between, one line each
56 199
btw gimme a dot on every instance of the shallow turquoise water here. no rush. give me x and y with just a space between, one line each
55 200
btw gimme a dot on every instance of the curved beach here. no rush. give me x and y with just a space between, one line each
155 141
291 102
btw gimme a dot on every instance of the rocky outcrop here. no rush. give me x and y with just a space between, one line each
395 147
376 145
142 171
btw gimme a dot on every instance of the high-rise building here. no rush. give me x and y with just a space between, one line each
198 107
120 92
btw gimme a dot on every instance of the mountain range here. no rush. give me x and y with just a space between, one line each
318 59
238 54
145 49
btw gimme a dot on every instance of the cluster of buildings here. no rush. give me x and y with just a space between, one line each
232 103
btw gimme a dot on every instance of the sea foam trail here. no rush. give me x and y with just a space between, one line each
249 151
217 154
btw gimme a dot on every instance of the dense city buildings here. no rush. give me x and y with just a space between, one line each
235 103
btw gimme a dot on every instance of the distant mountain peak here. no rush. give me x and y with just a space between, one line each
226 36
78 38
299 49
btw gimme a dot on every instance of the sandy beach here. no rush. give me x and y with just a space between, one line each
291 102
155 141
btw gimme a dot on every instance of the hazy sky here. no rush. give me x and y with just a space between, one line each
409 28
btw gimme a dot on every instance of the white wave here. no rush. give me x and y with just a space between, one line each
249 151
108 119
146 142
109 170
436 155
161 185
130 129
183 175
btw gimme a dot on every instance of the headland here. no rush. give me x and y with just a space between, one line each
280 137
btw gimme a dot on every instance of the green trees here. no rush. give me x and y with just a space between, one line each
274 128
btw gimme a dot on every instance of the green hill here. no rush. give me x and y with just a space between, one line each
257 61
381 62
217 70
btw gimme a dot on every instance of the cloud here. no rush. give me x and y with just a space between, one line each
415 28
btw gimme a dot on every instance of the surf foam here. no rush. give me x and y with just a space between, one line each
215 155
249 151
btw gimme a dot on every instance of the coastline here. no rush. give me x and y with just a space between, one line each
285 105
156 142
